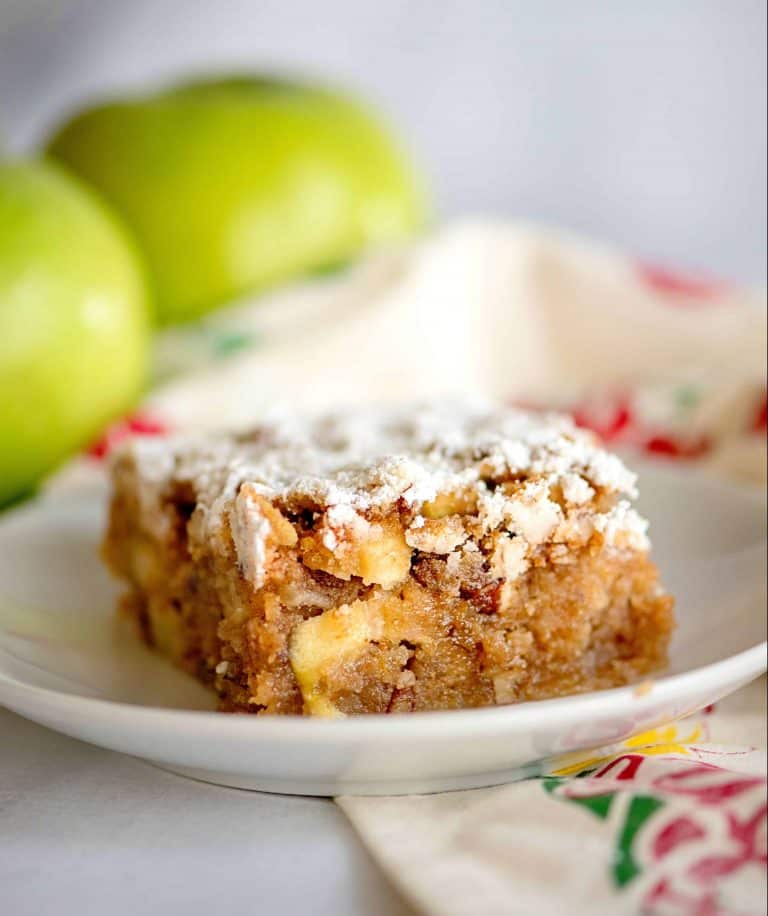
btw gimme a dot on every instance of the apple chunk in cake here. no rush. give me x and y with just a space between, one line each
388 561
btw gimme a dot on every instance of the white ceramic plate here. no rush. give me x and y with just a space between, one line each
64 663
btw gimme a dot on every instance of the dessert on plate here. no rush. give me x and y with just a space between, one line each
389 560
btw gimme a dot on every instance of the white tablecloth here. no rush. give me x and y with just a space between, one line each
83 830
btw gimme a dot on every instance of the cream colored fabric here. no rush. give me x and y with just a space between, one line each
509 310
513 850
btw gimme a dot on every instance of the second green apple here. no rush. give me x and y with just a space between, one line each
235 185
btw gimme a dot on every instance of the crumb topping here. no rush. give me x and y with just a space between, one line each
355 465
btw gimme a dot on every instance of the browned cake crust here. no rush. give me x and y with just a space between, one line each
454 560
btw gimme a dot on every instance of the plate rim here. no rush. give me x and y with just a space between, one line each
742 666
748 664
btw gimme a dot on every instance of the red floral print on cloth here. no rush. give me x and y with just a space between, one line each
677 832
677 287
676 447
611 416
685 827
760 419
616 418
138 424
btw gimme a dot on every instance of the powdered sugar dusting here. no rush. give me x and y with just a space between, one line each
576 490
250 530
344 464
623 525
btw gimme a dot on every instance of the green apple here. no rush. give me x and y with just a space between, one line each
73 321
233 185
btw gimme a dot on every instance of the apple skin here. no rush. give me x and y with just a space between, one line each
234 185
74 321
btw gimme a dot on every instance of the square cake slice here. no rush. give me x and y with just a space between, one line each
388 561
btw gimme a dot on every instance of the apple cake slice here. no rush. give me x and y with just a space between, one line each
389 560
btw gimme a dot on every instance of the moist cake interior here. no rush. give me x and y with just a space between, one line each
389 561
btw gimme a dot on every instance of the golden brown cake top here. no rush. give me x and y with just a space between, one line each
531 474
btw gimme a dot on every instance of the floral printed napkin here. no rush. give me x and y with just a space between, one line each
667 823
654 361
671 822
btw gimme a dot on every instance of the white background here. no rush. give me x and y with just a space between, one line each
639 123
